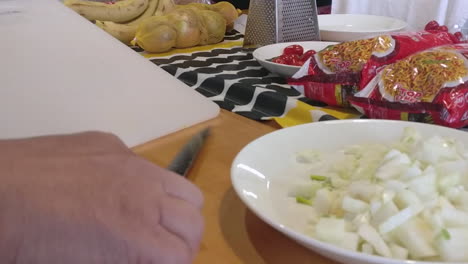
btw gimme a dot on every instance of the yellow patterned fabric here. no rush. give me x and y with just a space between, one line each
172 52
303 113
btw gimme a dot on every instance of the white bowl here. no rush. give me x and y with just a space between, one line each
264 54
261 171
346 27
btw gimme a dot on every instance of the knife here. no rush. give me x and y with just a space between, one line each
183 160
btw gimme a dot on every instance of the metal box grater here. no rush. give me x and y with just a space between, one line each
275 21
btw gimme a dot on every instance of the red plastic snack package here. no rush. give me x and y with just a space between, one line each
345 68
430 86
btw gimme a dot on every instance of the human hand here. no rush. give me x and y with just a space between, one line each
86 198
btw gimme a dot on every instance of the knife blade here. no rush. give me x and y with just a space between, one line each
184 159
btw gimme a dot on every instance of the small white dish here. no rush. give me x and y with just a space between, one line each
347 27
264 55
261 172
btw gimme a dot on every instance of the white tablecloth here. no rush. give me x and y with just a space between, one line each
416 12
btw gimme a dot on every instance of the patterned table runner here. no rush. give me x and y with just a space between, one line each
228 74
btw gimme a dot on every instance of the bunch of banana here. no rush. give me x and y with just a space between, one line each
121 11
118 25
164 7
123 18
125 32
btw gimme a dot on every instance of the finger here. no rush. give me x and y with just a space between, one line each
182 219
97 142
173 184
179 187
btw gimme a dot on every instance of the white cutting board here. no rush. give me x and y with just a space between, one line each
61 74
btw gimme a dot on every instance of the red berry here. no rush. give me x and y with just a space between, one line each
278 60
432 25
296 61
290 59
293 50
286 58
283 59
443 28
307 55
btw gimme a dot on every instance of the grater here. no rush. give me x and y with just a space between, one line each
276 21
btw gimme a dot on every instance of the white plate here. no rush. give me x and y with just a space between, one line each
346 27
264 54
261 171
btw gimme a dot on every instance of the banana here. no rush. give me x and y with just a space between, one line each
126 32
152 5
122 32
119 12
164 7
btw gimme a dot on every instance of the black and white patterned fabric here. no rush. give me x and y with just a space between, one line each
233 79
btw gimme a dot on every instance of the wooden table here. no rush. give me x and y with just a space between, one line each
233 234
